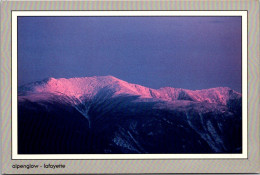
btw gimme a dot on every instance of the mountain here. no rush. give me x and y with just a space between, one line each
107 115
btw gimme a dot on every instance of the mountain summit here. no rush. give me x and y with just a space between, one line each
90 86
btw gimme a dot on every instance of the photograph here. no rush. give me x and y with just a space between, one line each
129 85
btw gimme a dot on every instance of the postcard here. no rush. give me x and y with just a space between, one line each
104 88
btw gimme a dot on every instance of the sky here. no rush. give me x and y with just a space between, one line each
181 52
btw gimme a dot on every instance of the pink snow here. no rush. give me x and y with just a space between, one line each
89 86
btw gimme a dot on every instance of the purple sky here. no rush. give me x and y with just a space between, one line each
182 52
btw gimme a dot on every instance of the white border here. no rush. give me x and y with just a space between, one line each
15 14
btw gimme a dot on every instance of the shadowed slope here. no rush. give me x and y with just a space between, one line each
122 124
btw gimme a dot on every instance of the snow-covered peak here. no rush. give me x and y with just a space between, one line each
89 86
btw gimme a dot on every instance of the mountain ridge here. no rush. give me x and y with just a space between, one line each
89 86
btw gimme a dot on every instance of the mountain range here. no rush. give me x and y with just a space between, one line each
103 114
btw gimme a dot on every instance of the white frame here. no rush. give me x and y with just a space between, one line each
15 154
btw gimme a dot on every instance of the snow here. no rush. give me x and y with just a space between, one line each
88 87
